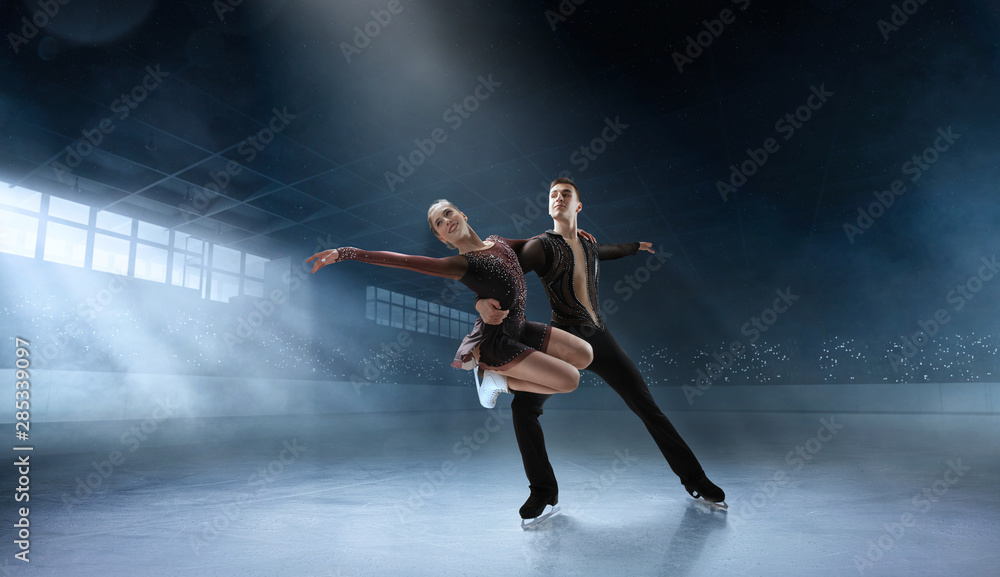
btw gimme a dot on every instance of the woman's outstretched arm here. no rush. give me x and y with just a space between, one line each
453 267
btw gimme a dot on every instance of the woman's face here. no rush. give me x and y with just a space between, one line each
449 223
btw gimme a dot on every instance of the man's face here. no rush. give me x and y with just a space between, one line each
563 201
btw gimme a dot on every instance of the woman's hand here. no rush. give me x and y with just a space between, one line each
588 236
324 258
647 246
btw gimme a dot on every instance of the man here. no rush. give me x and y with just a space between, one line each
567 263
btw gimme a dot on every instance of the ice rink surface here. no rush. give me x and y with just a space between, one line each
437 493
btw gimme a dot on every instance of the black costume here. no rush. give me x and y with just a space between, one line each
552 259
495 271
490 273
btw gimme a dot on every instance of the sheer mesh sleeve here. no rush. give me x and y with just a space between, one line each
613 251
530 254
452 267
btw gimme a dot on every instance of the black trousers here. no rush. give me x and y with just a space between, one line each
617 369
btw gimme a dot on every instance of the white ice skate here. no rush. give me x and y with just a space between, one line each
492 384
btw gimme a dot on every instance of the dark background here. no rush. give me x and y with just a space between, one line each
564 71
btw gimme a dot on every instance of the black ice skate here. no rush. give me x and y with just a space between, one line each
538 508
707 492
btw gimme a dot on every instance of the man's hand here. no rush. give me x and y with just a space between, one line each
647 246
490 311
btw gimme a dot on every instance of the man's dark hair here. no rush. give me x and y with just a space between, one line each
564 180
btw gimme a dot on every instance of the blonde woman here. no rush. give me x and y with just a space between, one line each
515 355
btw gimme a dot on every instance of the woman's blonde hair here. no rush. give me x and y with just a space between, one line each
437 203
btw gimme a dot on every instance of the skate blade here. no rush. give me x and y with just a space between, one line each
720 506
549 511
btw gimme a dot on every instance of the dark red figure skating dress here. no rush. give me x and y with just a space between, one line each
492 273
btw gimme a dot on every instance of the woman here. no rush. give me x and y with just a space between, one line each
515 355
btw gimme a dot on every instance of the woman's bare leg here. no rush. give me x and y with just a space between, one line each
542 373
570 348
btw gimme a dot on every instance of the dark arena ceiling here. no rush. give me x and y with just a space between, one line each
750 140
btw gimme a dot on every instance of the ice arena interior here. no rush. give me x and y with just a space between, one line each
814 323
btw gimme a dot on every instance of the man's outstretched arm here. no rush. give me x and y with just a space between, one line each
613 251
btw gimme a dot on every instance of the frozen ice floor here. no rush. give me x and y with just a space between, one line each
437 494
